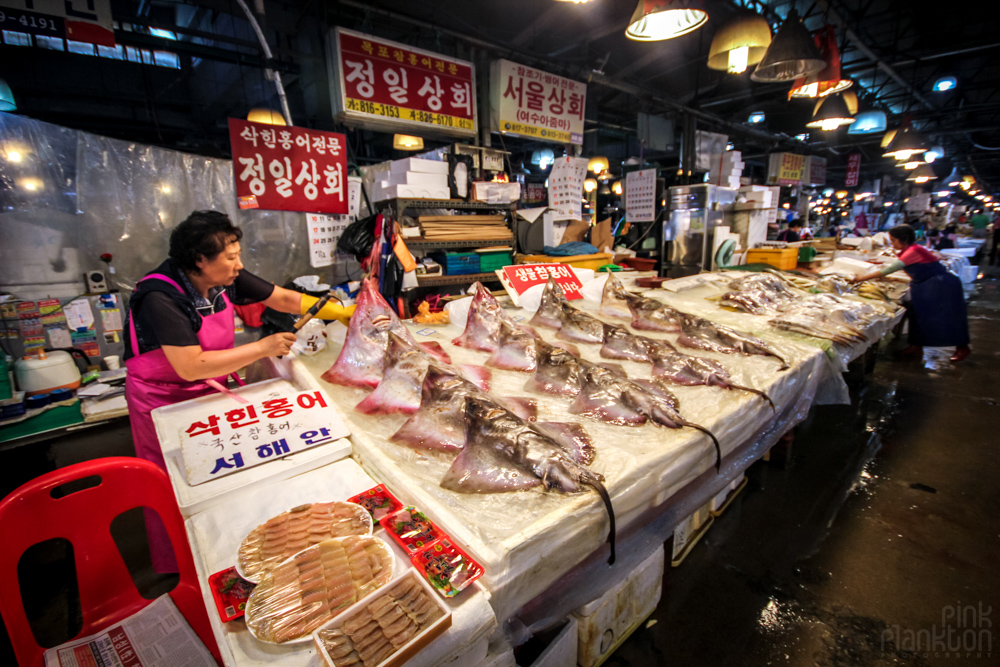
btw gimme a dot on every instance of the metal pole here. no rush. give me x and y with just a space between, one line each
275 75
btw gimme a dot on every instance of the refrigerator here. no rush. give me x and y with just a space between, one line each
694 211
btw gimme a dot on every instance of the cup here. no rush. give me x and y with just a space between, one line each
112 362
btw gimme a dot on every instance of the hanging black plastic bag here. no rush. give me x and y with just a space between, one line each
358 238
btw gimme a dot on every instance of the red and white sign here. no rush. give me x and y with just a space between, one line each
528 102
853 170
518 278
79 20
384 84
280 168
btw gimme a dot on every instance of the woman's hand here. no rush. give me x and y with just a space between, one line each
277 345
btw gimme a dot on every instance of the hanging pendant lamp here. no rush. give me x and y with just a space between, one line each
905 144
265 116
598 165
922 174
868 122
740 43
6 97
828 80
792 54
655 20
954 178
405 142
831 112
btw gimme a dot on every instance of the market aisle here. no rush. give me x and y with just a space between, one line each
887 518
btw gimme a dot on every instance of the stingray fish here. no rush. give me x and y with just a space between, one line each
579 327
505 453
361 360
557 371
515 350
615 299
550 310
620 343
439 422
651 315
701 334
405 368
482 328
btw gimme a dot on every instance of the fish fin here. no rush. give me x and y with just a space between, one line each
346 376
569 347
423 431
435 350
571 437
479 468
525 408
531 331
477 375
617 369
514 358
601 410
385 403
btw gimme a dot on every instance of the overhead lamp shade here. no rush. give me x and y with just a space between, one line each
831 112
740 43
598 165
905 144
590 185
6 97
922 174
868 122
792 54
405 142
954 178
265 116
655 20
888 137
617 188
604 190
934 153
828 80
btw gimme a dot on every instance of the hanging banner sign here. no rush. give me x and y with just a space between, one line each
528 102
853 170
815 171
385 85
786 169
79 20
281 168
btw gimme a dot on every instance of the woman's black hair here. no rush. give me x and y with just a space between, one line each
202 234
904 234
796 222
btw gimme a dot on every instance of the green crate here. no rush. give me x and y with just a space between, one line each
457 263
491 261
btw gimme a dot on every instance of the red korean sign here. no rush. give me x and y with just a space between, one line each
386 85
280 168
853 170
528 102
522 276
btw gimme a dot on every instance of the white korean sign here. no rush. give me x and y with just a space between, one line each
566 187
528 102
324 230
640 196
221 443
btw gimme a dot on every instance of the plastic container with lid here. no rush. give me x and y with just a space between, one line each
39 376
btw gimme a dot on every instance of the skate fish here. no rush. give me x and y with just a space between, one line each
701 334
361 360
579 327
405 367
549 313
615 300
515 350
505 453
482 328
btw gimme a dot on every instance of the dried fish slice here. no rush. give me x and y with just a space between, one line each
277 611
298 528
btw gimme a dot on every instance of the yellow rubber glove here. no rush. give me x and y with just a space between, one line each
331 311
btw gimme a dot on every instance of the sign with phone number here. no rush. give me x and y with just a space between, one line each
79 20
389 111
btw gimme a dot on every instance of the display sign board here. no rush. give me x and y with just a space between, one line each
566 187
853 170
216 445
815 173
281 168
786 169
518 278
79 20
640 196
323 231
528 102
388 86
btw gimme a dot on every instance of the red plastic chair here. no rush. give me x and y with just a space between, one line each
31 515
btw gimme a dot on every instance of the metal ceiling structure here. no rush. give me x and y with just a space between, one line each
894 50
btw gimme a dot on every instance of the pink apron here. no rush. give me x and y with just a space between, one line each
151 382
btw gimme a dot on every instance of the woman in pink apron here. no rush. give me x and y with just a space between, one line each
180 333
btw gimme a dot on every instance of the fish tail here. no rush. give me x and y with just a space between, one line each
758 392
715 441
603 493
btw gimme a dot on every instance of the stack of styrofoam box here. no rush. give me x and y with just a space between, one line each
415 178
726 169
757 196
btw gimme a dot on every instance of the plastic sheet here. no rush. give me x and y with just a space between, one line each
85 195
514 535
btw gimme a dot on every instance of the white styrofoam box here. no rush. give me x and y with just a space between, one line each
500 654
689 527
420 165
563 650
607 621
417 178
969 273
496 193
719 500
414 192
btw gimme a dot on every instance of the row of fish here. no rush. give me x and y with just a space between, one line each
382 628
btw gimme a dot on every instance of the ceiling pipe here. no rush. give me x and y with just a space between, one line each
273 74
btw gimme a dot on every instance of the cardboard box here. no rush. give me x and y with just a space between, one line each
417 178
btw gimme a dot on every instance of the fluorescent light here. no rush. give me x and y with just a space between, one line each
944 84
756 117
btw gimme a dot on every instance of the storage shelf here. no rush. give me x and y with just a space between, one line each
400 205
467 279
419 244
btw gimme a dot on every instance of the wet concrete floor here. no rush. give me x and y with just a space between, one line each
877 544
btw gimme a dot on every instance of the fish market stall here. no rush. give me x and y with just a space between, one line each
526 540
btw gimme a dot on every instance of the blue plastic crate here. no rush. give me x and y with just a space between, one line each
458 263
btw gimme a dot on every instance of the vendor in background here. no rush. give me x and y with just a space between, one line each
996 240
980 221
791 235
179 333
937 303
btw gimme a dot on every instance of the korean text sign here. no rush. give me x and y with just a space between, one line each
228 440
853 170
531 103
522 276
387 84
281 168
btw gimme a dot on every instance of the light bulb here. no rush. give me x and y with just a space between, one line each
14 156
830 124
738 59
922 179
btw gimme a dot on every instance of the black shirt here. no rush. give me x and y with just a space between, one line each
789 236
165 316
